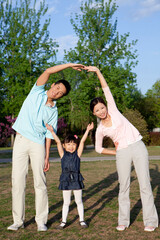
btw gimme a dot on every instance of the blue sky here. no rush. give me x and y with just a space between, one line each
139 17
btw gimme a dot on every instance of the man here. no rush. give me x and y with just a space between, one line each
33 142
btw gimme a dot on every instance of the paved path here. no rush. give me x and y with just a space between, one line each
83 159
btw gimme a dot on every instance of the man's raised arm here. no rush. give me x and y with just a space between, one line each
45 75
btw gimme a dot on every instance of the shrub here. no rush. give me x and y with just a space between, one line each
6 130
107 142
135 117
61 125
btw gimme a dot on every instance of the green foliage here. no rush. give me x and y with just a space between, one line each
26 50
73 107
100 44
149 105
153 99
135 117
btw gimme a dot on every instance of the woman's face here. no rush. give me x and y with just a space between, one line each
100 110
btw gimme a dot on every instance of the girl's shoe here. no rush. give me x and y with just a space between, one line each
121 228
149 229
83 224
61 226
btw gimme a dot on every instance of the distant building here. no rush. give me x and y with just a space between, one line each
156 129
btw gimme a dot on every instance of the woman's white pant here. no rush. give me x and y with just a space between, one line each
66 203
137 153
23 150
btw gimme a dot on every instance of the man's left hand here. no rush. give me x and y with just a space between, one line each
46 165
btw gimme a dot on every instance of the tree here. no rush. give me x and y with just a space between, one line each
149 105
153 97
135 117
100 44
26 50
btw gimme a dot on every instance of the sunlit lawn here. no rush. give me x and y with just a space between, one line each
100 203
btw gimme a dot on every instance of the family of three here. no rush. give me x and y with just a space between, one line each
36 125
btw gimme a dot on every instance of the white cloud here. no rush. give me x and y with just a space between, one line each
147 8
73 8
51 10
52 5
66 42
141 8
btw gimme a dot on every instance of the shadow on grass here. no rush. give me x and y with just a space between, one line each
90 192
155 182
155 174
106 198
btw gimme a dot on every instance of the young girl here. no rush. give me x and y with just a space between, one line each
129 148
71 178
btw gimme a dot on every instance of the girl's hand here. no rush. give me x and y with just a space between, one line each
91 69
49 127
90 126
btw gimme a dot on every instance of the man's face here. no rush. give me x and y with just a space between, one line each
56 91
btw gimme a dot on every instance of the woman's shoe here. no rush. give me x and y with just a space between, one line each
149 229
83 224
121 228
61 226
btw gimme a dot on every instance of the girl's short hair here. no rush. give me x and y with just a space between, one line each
95 101
71 138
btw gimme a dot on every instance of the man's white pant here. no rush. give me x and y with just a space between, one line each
23 150
137 153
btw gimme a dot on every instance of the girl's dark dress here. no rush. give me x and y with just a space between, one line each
71 178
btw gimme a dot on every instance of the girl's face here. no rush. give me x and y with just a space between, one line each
70 146
100 110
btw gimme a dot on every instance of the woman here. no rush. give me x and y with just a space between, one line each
129 147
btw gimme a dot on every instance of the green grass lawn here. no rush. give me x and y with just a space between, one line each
100 198
153 151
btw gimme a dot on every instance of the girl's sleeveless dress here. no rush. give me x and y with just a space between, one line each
71 178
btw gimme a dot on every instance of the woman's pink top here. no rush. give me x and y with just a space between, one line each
121 131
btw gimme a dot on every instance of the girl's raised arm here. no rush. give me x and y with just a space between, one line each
81 145
57 140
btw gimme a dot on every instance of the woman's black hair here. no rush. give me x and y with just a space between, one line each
71 138
95 101
66 84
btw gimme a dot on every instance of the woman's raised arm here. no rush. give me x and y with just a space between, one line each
99 75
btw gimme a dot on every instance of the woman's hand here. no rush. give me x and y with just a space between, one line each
99 74
77 67
116 145
91 69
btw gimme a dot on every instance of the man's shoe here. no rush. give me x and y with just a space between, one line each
42 228
15 227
